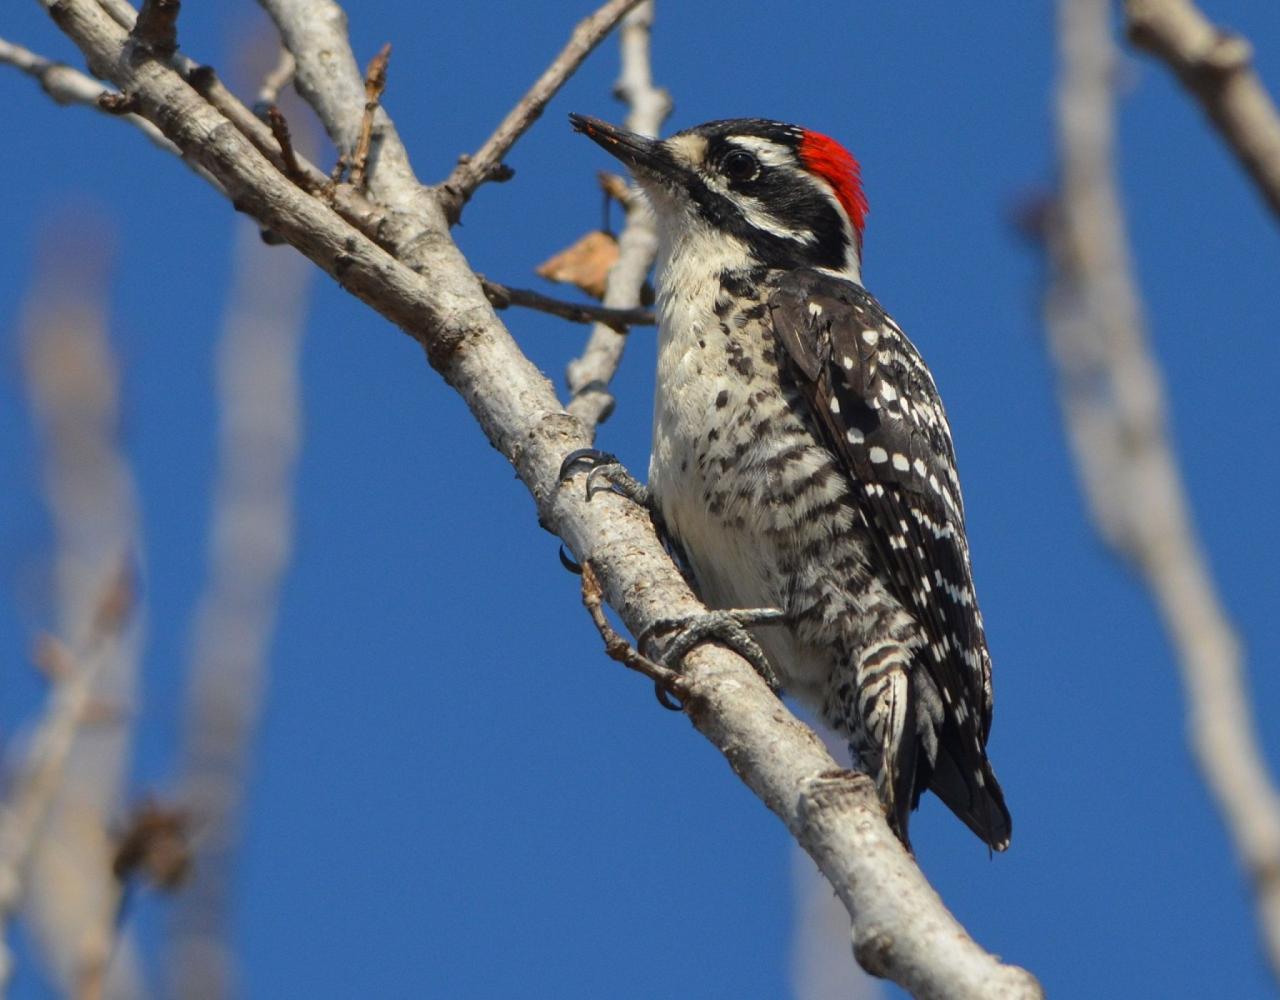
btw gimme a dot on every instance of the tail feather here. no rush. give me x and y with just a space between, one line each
980 807
904 780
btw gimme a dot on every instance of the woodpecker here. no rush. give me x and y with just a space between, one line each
802 460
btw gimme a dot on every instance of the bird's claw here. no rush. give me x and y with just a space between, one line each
726 627
666 699
605 465
593 455
569 563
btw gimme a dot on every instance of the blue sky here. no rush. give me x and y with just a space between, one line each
455 793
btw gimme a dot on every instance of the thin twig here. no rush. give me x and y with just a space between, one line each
375 81
330 80
68 86
648 106
1215 67
64 84
486 163
617 647
1112 395
620 320
280 129
206 82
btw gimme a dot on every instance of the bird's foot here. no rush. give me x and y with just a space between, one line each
726 627
605 466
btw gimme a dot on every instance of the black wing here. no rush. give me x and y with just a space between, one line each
875 403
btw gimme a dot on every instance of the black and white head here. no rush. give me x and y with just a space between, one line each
763 191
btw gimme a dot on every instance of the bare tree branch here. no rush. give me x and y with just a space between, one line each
1214 66
416 277
1113 402
64 84
121 11
69 86
206 83
329 79
820 924
589 375
486 163
263 136
250 543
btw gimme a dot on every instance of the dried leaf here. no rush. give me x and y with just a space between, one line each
584 265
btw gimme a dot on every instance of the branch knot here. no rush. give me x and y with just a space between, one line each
118 103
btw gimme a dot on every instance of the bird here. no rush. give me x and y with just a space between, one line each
802 464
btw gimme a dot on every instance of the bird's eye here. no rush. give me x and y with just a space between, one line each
739 165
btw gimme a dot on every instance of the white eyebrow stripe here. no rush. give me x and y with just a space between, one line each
768 152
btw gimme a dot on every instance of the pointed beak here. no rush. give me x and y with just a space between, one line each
636 151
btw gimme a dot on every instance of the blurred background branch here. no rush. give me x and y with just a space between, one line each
1113 402
250 543
65 803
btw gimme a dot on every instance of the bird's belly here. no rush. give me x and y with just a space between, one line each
725 493
731 565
